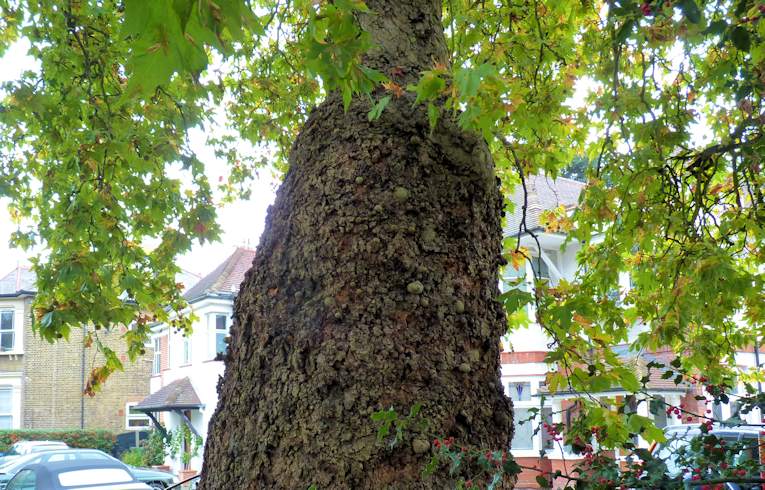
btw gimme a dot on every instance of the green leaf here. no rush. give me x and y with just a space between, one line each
377 109
625 31
690 10
433 113
741 38
717 27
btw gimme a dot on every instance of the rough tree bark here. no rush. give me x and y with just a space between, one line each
374 286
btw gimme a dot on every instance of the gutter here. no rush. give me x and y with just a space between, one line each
82 379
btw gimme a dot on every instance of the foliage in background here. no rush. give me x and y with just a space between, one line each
181 442
154 448
135 456
92 439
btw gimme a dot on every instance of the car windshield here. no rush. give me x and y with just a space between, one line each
13 465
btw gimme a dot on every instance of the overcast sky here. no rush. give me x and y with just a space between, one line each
241 222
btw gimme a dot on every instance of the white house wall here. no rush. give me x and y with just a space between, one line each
203 371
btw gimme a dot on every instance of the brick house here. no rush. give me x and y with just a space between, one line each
41 384
523 366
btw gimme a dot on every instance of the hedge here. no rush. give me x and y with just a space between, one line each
91 439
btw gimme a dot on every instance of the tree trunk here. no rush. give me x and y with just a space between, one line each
374 286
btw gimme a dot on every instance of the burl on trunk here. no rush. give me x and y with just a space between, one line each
374 287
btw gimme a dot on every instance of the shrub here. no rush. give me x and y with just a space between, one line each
92 439
134 456
154 448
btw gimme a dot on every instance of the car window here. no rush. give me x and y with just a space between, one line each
59 457
91 455
100 475
24 480
51 447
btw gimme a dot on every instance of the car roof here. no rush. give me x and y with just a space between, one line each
83 464
41 443
48 472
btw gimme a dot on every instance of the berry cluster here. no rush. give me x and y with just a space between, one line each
552 431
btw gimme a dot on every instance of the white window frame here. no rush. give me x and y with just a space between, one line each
12 330
536 439
186 354
130 416
10 414
156 362
216 331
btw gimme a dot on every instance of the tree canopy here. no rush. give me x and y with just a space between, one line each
94 151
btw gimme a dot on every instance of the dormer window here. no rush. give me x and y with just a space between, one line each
7 333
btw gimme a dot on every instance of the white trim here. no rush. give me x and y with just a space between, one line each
129 417
17 310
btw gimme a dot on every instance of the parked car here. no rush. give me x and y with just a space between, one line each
75 475
21 448
157 480
680 436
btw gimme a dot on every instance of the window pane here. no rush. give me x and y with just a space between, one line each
24 479
524 430
220 322
6 340
659 411
220 343
540 268
6 320
90 455
547 439
717 411
519 392
6 400
186 350
6 422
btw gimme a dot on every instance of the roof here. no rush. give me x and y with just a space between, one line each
179 394
19 281
639 362
544 193
225 279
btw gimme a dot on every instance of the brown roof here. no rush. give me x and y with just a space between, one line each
178 394
544 193
225 279
639 363
21 279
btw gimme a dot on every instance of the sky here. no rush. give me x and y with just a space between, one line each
242 222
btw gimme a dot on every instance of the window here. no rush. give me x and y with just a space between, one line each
24 479
540 268
658 409
717 411
135 419
186 359
519 392
523 437
156 364
547 439
7 340
221 332
6 407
